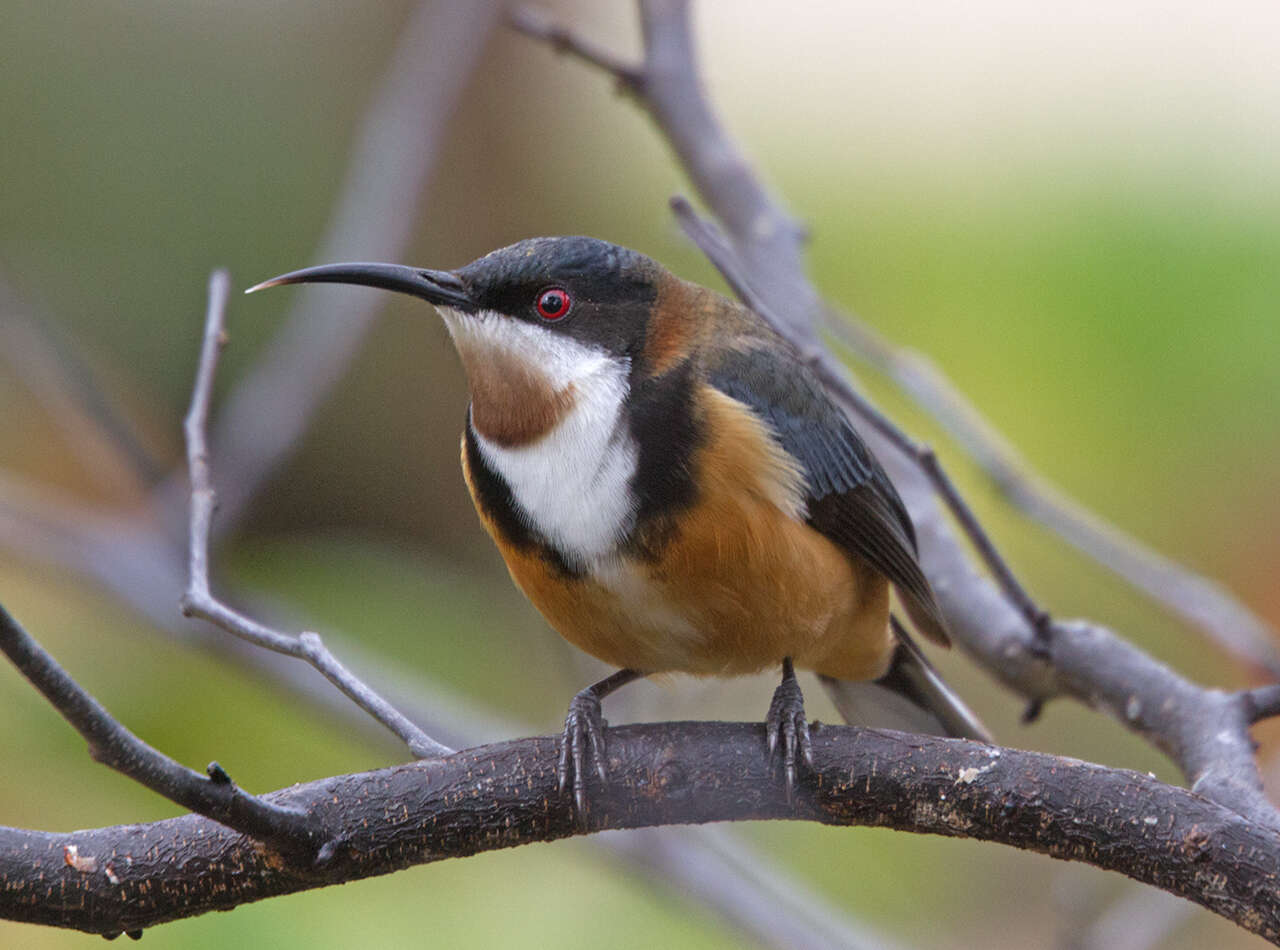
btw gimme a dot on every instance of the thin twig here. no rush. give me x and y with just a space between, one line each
1197 600
215 796
541 26
198 601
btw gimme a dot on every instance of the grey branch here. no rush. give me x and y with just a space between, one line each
198 601
505 794
1197 600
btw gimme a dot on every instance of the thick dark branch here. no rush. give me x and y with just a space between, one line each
215 797
498 796
198 601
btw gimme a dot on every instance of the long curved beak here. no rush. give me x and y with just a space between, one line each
440 287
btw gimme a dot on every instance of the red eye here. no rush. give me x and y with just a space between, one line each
553 303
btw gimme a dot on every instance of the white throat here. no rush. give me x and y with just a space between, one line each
574 482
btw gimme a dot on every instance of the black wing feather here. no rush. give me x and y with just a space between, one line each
850 498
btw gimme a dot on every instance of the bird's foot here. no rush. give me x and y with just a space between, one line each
582 747
786 720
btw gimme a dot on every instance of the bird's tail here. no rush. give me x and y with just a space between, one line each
911 696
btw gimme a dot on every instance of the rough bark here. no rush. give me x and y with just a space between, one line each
125 878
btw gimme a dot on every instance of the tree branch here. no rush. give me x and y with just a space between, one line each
1195 599
505 794
215 797
1205 731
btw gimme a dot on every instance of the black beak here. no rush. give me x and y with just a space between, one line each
440 287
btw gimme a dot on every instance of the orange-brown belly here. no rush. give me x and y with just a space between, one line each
724 599
739 585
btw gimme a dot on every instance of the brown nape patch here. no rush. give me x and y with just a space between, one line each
673 323
512 403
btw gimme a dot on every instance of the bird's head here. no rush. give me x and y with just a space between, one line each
540 324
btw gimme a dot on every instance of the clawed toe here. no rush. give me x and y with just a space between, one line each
582 747
582 744
786 721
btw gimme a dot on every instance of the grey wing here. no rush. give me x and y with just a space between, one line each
849 497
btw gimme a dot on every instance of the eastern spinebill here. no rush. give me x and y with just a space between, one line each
674 490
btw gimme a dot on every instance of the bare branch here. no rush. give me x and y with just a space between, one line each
541 26
1195 599
505 794
1204 731
1262 703
216 797
198 601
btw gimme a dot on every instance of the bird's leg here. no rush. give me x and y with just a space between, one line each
583 741
786 719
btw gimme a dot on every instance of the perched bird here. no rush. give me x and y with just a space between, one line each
673 489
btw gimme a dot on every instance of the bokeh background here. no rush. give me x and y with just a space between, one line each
1074 209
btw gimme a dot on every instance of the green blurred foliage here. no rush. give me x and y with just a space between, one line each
1110 307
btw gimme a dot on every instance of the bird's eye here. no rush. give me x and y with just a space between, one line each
553 303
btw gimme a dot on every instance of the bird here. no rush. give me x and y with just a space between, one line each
674 490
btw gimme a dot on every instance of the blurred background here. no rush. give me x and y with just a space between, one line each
1074 210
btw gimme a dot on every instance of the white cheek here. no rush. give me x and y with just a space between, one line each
574 483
